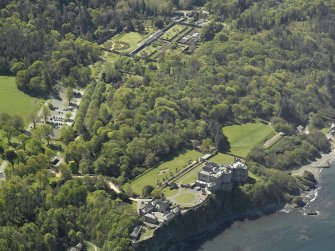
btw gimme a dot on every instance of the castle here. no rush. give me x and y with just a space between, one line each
216 177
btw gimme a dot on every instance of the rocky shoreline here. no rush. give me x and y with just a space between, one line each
310 196
223 223
323 160
217 228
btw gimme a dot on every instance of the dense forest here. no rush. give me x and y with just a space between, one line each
258 60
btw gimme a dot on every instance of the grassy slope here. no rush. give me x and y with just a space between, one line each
14 101
242 138
151 177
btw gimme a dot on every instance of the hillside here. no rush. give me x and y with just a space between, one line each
163 83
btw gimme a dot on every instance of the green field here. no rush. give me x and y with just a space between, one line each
186 198
127 42
222 159
169 192
174 31
163 171
242 138
14 101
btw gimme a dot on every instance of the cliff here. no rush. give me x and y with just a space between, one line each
220 210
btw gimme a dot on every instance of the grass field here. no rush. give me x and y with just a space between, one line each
174 31
242 138
163 170
130 38
14 101
222 159
186 198
169 192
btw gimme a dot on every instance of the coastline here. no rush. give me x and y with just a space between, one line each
325 157
309 196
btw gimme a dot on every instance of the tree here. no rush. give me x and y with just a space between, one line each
146 191
73 167
34 118
159 23
68 115
10 155
69 94
48 132
10 128
17 122
75 151
2 150
50 242
219 112
44 131
46 112
67 134
206 145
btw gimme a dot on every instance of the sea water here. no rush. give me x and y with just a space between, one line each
285 230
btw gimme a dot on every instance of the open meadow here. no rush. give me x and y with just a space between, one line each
242 138
14 101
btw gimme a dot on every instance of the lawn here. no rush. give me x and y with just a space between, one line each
148 233
173 31
147 51
169 192
192 176
163 171
186 198
222 159
127 42
14 101
182 34
242 138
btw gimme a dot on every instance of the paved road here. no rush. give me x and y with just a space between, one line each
114 187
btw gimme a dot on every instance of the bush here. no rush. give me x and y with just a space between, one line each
146 191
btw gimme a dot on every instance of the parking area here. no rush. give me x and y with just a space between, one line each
63 110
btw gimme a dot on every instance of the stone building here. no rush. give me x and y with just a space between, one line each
216 177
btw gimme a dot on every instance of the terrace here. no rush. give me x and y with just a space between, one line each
164 171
